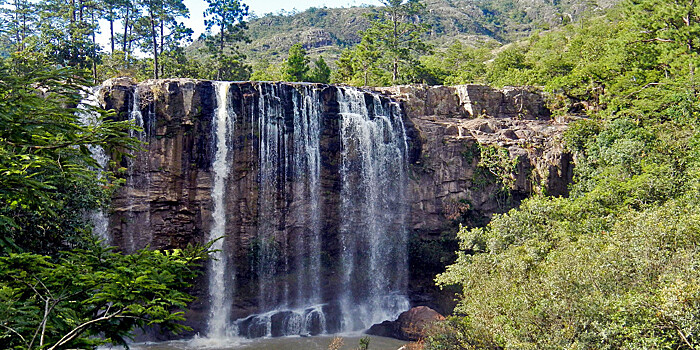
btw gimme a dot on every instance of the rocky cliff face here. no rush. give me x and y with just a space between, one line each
455 126
470 151
482 151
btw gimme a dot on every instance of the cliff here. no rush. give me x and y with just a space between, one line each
327 191
455 126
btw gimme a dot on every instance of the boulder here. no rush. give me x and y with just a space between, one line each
411 325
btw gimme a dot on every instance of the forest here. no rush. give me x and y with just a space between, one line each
615 265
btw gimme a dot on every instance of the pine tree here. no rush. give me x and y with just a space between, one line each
321 73
297 64
397 32
228 16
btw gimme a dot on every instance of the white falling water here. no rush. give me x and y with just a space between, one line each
272 258
292 292
373 233
307 171
88 116
136 116
288 262
220 285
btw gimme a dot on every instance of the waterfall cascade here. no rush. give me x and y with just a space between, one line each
220 283
373 176
88 116
307 195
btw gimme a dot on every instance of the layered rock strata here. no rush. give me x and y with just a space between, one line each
453 124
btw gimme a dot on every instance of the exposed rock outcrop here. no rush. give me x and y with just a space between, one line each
451 183
411 325
453 123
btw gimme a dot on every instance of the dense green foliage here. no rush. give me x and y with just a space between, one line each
91 296
65 33
228 16
47 179
151 38
58 287
329 31
614 265
296 67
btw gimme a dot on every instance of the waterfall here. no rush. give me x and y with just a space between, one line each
138 195
88 116
273 162
308 199
288 240
307 171
373 237
219 289
373 231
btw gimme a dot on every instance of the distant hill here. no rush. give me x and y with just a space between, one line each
328 31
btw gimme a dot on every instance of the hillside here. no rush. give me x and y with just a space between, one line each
476 23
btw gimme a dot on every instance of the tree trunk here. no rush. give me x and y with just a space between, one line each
395 68
155 46
126 31
20 27
219 72
72 12
111 28
162 35
94 43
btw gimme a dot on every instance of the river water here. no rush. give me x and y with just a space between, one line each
285 343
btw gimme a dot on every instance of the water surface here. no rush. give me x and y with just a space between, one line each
285 343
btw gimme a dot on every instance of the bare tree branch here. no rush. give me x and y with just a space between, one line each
15 332
79 329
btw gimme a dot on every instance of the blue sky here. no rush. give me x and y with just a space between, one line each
259 7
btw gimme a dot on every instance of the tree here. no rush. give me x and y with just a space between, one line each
111 10
130 15
92 296
458 64
321 73
160 21
51 298
397 32
47 176
263 70
361 64
296 66
20 17
67 32
228 16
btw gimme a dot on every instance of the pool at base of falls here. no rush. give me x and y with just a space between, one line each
349 341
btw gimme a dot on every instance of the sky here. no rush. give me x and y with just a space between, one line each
259 7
